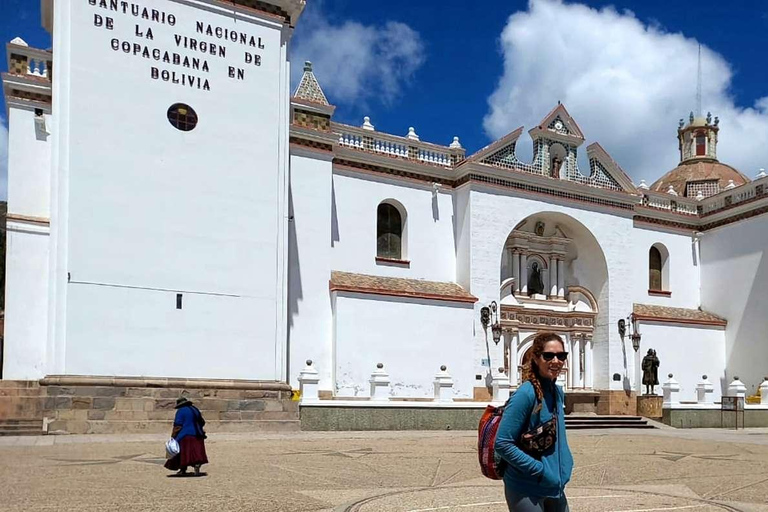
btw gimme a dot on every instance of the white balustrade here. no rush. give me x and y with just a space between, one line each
704 390
737 388
501 386
443 386
380 389
764 392
671 390
309 380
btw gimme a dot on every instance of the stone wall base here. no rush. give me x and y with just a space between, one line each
106 405
618 403
582 402
710 418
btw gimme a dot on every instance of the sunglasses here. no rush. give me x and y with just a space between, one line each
548 356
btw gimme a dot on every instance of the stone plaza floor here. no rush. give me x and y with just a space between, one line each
630 471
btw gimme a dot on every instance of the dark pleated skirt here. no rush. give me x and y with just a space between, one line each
192 452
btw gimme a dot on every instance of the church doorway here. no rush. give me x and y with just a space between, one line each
562 380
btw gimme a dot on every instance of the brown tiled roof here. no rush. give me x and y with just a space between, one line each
677 315
395 286
698 171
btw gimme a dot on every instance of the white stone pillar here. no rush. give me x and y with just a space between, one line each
516 270
704 390
380 389
443 386
513 336
560 278
553 276
510 264
671 390
573 362
500 386
737 388
309 380
588 366
764 392
524 273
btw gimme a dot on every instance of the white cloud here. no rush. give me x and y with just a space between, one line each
625 83
3 159
356 63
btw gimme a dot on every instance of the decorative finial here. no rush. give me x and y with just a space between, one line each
682 123
443 368
699 195
736 377
19 42
643 185
380 366
501 370
761 174
717 121
704 377
412 134
307 66
671 191
455 144
367 124
309 362
670 375
709 117
730 185
691 117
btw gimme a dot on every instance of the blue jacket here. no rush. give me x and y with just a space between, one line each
191 422
545 478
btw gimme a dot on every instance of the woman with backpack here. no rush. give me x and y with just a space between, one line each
188 432
531 437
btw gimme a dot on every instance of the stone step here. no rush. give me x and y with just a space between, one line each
21 427
608 425
29 432
165 427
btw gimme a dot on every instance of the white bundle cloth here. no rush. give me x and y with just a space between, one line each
172 448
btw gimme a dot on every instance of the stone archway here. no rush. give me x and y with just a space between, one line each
524 357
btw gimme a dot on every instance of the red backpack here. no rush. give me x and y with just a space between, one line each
491 467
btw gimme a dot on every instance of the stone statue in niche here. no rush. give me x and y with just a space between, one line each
650 367
535 282
539 229
554 171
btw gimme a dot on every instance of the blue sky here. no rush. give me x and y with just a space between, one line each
626 70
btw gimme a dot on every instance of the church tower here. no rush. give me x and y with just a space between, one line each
698 139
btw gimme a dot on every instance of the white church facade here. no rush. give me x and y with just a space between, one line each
176 211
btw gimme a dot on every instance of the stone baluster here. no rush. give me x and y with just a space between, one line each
704 390
501 386
552 276
380 389
671 389
524 273
443 386
309 380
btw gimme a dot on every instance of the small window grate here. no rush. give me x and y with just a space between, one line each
182 117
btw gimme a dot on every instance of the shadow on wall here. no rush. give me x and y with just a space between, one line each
334 216
295 291
748 358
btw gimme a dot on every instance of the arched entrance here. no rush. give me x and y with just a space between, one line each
554 277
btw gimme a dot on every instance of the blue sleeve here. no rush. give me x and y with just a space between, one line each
178 421
514 423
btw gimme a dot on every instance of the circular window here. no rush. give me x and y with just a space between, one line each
182 117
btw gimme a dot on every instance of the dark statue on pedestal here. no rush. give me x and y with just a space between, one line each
650 367
535 282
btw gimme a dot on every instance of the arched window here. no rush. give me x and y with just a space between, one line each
389 232
658 269
701 144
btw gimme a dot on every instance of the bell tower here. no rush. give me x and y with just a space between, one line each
698 139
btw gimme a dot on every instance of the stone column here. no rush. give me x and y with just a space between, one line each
560 278
553 276
573 366
516 269
588 370
524 273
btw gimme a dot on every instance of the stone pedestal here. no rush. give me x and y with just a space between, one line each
380 382
671 390
308 381
616 402
501 386
650 406
443 386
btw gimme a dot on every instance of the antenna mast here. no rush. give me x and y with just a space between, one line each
698 87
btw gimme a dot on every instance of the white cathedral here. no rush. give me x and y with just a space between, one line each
176 211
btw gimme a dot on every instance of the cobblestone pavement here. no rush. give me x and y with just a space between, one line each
630 471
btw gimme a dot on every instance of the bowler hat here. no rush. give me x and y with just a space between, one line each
182 401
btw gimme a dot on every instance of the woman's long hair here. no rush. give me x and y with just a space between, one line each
531 370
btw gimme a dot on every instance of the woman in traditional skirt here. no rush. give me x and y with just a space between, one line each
188 431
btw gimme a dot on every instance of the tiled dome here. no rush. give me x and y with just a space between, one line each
698 171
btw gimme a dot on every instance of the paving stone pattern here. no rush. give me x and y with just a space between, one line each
379 471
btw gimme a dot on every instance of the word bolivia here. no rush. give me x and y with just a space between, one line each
191 81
